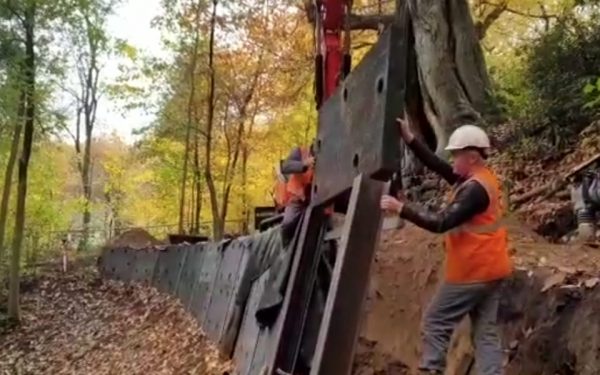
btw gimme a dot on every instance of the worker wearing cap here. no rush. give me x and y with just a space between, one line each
298 169
477 258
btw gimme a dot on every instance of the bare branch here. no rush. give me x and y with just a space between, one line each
8 6
521 13
370 22
482 27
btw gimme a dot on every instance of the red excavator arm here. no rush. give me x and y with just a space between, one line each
332 58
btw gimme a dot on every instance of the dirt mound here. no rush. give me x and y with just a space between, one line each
79 324
550 295
529 164
136 238
370 360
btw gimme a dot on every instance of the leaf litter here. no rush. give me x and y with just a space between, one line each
77 323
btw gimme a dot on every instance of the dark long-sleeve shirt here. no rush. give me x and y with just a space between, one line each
590 188
470 200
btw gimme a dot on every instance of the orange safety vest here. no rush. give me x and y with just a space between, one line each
295 187
477 251
298 182
281 196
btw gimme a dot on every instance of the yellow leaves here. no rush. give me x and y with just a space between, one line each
518 22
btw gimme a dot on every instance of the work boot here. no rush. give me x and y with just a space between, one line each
586 232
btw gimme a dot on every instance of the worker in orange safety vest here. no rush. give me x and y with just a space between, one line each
477 258
292 192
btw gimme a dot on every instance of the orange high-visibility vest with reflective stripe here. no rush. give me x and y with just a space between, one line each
477 251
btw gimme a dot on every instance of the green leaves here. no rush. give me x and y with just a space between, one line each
592 92
123 48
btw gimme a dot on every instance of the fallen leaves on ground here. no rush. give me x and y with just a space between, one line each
77 323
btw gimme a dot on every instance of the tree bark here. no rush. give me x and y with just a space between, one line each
89 80
190 108
245 205
452 71
10 166
214 205
235 147
197 200
483 26
29 74
87 189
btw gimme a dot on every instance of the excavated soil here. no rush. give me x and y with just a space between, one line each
550 308
136 238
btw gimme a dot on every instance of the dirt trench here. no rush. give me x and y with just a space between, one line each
550 309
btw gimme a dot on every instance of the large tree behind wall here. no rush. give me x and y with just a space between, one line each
449 71
454 83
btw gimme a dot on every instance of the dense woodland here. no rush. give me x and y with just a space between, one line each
233 96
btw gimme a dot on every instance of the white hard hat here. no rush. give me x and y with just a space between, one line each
468 136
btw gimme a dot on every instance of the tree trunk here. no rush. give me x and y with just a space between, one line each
452 71
230 172
214 205
245 204
10 166
87 191
29 74
192 225
89 79
198 185
188 130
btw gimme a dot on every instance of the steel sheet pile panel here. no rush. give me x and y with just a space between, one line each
143 265
190 273
339 328
246 344
265 346
237 301
106 264
204 284
168 268
357 130
120 263
223 290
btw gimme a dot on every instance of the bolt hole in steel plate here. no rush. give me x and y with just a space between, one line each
203 287
119 262
145 261
220 298
166 276
380 85
363 123
190 272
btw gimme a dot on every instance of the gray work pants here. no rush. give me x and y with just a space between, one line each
450 304
291 217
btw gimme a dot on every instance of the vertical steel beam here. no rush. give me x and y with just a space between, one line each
293 313
344 307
